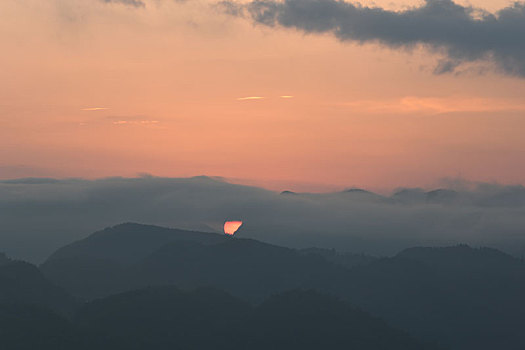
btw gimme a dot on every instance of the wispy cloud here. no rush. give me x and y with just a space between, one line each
90 109
136 122
250 98
286 96
434 105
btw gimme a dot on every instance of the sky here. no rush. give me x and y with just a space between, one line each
305 95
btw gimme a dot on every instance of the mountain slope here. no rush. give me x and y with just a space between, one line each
466 297
166 318
129 243
98 265
310 320
28 327
23 283
457 296
243 267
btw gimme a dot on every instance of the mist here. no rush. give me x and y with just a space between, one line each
39 215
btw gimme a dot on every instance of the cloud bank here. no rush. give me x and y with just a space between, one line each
39 215
461 33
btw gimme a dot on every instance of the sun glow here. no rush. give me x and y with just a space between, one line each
230 227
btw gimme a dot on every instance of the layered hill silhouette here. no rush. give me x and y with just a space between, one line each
465 297
30 327
154 256
24 283
100 264
457 296
166 317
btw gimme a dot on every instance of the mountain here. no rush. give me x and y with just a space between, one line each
347 195
310 320
29 327
129 243
429 292
434 292
166 318
345 259
23 283
242 267
246 268
99 265
419 196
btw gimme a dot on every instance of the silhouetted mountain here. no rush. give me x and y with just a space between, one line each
419 196
243 267
129 243
345 196
309 320
99 265
288 193
469 298
23 283
167 318
430 292
28 327
347 260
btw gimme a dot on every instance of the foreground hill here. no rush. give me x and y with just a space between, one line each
24 283
243 267
470 298
29 327
167 318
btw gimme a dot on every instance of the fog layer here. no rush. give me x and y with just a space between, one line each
40 215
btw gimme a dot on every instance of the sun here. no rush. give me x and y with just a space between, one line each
230 227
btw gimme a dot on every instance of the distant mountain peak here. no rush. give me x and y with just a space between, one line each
288 192
356 190
130 242
208 178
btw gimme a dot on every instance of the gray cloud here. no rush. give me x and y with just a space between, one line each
462 34
38 215
134 3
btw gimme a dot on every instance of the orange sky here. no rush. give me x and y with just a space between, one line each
90 89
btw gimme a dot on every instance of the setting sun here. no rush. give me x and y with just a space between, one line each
230 227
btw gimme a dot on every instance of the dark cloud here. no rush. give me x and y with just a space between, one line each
38 215
462 34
